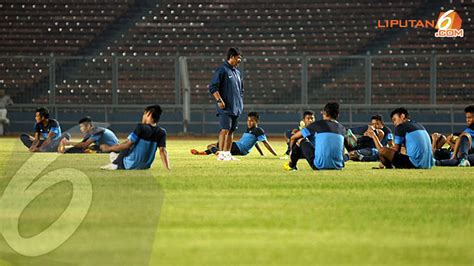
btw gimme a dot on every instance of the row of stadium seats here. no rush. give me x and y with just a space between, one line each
263 28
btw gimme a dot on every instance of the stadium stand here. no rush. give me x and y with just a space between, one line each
147 36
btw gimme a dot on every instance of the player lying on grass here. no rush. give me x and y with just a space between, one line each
138 151
249 139
410 134
308 118
47 133
328 148
365 150
93 138
463 148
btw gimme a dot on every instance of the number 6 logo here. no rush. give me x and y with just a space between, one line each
445 21
21 191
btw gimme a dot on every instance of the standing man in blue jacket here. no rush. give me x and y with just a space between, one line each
227 88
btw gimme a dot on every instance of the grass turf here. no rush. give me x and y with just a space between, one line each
253 212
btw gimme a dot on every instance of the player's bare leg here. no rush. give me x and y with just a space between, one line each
386 156
211 149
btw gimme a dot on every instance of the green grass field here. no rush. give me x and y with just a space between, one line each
253 212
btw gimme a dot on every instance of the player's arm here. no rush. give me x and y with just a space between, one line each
294 138
51 135
34 144
217 79
450 140
218 98
259 149
269 147
164 158
377 143
390 143
116 148
84 144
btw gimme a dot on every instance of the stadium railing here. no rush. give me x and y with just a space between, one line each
362 84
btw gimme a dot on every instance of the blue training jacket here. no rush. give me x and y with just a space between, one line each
228 82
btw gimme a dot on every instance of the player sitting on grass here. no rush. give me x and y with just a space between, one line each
463 149
249 139
47 133
437 144
365 149
328 148
93 138
410 134
308 118
138 151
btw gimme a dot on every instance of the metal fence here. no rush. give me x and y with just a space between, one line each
272 83
369 79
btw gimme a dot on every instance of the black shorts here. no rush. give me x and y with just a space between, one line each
228 122
442 154
234 149
307 150
402 161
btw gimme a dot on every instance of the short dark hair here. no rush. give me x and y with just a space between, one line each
332 110
254 115
233 51
469 109
377 117
43 111
86 119
399 111
307 112
155 111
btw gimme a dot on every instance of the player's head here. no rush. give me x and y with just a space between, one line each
330 111
252 119
308 117
377 121
234 56
152 114
469 110
399 116
41 114
85 124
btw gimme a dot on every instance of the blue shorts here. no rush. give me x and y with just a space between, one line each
228 122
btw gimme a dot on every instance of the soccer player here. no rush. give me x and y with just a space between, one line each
47 133
463 150
365 149
249 139
438 141
138 151
93 138
328 148
308 118
227 88
410 134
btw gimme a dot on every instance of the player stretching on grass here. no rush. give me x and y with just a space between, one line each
138 151
47 133
308 118
246 143
365 149
328 148
463 147
93 138
410 134
227 89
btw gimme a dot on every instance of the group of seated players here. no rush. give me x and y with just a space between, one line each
136 152
322 143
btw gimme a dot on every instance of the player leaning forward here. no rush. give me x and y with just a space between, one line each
227 88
